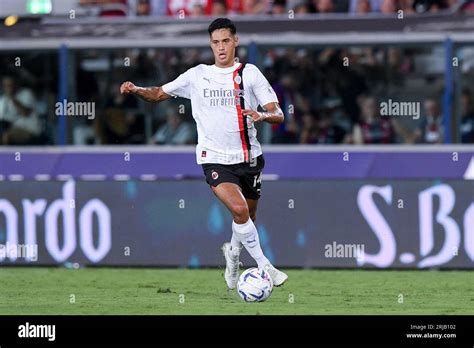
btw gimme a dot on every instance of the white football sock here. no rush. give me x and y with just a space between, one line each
247 235
235 242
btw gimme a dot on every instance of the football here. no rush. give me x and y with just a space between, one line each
254 285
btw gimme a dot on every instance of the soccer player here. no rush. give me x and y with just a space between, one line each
224 99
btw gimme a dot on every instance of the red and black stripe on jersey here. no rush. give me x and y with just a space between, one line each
243 127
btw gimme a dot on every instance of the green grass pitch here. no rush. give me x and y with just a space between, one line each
187 291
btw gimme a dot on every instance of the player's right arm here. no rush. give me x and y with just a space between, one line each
149 94
180 87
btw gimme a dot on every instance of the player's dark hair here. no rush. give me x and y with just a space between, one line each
222 23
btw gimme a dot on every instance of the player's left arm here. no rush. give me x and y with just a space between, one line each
265 96
272 113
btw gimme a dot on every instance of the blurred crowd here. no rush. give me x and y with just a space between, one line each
325 100
196 8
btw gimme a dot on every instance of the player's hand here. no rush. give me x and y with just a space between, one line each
256 116
128 88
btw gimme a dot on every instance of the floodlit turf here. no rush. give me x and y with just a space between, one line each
184 291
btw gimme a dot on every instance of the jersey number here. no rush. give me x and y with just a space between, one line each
257 179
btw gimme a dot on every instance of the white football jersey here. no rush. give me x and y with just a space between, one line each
217 101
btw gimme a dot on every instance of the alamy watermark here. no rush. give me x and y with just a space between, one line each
66 108
14 251
394 108
28 330
338 250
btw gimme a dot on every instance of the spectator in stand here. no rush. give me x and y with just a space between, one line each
286 90
467 120
342 81
390 6
321 129
301 8
118 126
309 131
197 10
279 7
374 5
275 7
467 7
225 7
255 7
120 123
407 6
430 131
143 8
111 127
372 128
186 8
324 6
219 8
363 6
114 8
430 5
175 131
19 121
328 131
107 8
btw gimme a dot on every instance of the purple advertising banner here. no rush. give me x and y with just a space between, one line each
298 162
304 223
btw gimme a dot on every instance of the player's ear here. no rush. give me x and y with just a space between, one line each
236 40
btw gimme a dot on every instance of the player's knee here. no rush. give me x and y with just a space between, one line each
240 213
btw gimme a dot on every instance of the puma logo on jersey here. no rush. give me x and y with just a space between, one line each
207 79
